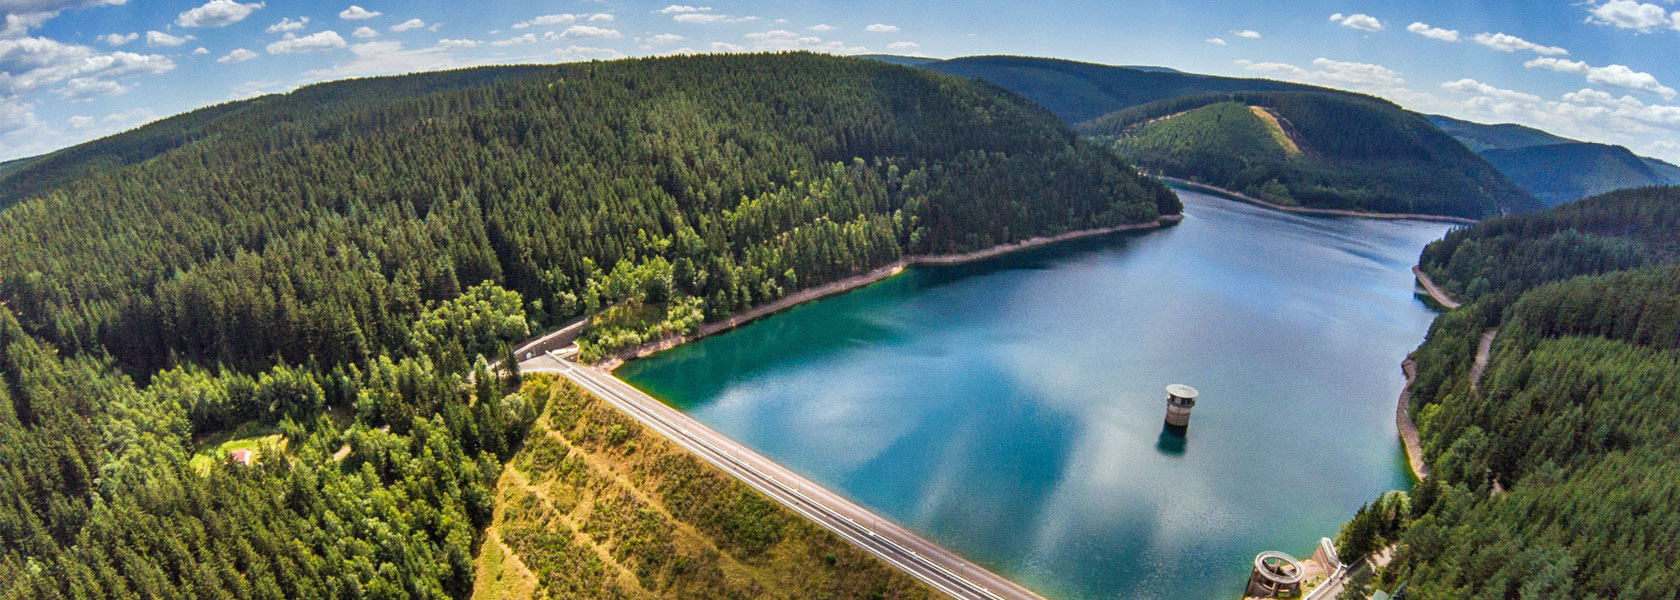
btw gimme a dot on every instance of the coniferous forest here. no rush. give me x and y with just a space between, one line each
1317 149
330 265
1555 474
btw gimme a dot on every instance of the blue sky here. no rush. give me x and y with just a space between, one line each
1605 71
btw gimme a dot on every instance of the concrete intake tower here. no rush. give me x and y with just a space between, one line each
1180 399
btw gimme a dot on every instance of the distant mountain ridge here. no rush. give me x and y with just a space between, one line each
1080 91
1557 169
1314 149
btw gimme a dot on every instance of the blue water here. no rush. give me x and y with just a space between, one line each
1012 409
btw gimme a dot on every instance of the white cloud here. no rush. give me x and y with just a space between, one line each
590 31
601 18
1628 14
683 8
529 38
409 24
82 122
356 13
1664 149
702 18
1471 86
159 38
727 47
322 40
782 39
546 20
1510 43
1434 33
287 24
1617 75
577 53
251 89
386 58
31 63
1247 34
1559 64
1332 72
200 50
821 27
237 56
664 38
460 43
881 28
86 88
365 32
217 13
903 45
117 39
22 15
134 116
1216 41
1360 21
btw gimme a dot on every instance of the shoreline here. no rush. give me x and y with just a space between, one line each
749 315
1434 291
1335 212
1408 428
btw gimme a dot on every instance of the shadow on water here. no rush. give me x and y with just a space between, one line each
1173 440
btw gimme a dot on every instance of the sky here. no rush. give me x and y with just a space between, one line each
1596 70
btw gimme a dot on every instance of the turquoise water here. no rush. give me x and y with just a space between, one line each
1012 409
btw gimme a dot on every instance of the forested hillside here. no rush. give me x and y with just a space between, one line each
35 176
1553 475
319 272
1556 169
1079 91
1312 149
1570 171
1505 136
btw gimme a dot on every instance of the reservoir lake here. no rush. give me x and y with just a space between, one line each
1011 409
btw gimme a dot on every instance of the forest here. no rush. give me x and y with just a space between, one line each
1312 149
330 269
1554 475
1556 169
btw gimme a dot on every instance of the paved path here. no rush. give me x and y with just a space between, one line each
937 567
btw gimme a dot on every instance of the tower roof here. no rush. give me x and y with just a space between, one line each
1182 391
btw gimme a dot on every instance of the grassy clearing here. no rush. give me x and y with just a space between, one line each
215 447
596 506
1273 125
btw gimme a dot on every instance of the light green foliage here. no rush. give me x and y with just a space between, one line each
475 324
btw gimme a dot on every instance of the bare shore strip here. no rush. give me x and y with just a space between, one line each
1313 211
1408 428
856 281
1435 291
1403 413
